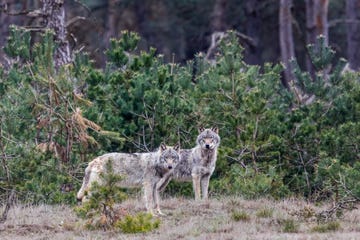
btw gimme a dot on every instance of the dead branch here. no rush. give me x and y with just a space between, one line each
249 40
8 205
74 20
6 170
345 204
329 214
216 39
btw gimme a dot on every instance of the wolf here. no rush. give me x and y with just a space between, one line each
144 170
197 164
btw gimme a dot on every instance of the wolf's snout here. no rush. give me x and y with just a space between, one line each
207 146
170 167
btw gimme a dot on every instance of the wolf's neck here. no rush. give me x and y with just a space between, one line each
160 171
208 154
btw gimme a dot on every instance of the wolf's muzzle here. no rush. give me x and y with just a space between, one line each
170 167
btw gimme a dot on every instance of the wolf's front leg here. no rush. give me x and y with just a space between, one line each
164 181
205 185
159 187
157 198
196 185
148 196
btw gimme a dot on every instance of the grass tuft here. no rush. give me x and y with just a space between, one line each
327 227
140 223
240 216
290 226
264 213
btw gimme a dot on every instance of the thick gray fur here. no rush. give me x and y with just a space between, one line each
138 169
197 164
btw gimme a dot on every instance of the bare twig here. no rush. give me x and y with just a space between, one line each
335 22
304 167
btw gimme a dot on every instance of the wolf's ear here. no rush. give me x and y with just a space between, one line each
177 147
201 129
215 129
162 146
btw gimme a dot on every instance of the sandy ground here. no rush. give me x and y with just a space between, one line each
187 219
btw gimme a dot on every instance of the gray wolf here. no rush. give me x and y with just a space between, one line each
137 169
197 164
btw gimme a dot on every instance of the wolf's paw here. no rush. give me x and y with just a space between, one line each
160 213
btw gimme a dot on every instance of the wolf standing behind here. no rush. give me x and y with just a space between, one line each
137 169
198 164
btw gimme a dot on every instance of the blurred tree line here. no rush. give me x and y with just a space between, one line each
281 135
179 29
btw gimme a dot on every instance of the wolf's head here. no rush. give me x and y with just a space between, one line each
208 138
169 156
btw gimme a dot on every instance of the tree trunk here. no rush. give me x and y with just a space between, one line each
218 16
316 20
54 16
111 23
6 19
316 24
353 33
3 28
153 17
286 39
253 30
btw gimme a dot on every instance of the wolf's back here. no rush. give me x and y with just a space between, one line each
130 166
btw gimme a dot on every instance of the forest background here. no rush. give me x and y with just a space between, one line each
278 87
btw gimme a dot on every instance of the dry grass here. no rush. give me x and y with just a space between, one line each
187 219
